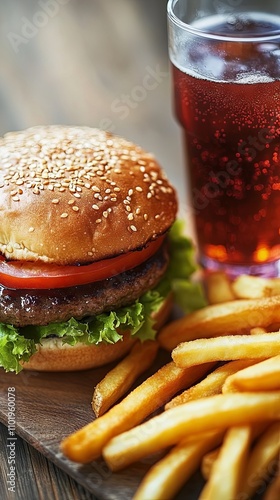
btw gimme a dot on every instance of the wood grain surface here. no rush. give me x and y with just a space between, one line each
39 477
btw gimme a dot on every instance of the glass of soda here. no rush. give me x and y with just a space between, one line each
225 57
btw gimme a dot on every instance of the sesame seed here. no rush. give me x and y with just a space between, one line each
98 221
31 229
73 160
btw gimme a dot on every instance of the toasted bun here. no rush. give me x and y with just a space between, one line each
71 195
53 355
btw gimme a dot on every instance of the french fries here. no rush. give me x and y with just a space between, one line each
169 428
210 385
117 381
228 424
168 475
232 457
226 348
210 458
87 443
260 462
235 317
218 288
263 376
253 287
208 461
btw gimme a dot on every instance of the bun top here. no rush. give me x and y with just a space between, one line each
77 194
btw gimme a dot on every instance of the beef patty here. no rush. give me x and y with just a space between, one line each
40 307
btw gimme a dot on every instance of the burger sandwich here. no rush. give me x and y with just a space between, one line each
85 248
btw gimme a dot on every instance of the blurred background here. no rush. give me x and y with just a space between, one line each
100 63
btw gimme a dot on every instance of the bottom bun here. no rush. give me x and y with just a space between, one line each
53 355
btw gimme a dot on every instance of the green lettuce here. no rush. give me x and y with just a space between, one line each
18 344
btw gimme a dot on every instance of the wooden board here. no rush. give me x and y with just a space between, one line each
49 406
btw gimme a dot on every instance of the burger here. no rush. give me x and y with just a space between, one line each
85 266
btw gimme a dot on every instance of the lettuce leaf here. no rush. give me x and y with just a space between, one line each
18 344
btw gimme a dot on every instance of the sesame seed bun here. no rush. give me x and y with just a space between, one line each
77 194
53 355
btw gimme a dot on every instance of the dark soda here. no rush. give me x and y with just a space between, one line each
231 122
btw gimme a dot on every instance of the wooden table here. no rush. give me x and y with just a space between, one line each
38 478
81 66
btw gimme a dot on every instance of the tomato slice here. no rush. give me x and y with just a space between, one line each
38 275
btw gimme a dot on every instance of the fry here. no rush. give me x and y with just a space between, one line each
263 376
227 348
170 427
238 316
265 451
210 458
168 475
208 462
254 287
229 465
86 444
218 288
210 385
117 381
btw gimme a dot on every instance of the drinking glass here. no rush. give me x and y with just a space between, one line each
225 57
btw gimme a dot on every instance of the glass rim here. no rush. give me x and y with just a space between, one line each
188 28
